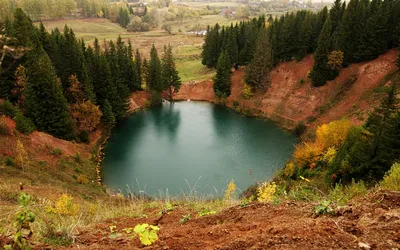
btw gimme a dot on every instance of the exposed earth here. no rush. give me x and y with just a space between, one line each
372 222
291 99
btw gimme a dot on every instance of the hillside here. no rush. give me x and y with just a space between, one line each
291 99
366 219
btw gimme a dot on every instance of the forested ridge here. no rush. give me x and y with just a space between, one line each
56 83
346 33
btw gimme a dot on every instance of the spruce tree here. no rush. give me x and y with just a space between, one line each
154 78
46 104
138 64
321 72
108 115
222 79
231 46
257 73
170 76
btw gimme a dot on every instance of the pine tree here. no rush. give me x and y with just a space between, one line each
23 29
138 64
46 104
384 124
170 76
257 73
231 46
222 79
321 72
108 115
154 78
211 47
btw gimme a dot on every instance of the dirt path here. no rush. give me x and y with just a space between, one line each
375 222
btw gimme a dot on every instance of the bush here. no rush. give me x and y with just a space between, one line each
6 108
9 161
235 104
4 128
82 180
299 129
23 124
247 92
391 180
83 137
56 151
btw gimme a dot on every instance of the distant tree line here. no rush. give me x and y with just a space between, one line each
65 87
361 30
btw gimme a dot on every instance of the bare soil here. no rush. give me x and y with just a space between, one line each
373 220
291 99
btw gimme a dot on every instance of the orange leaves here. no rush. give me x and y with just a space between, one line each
87 115
329 137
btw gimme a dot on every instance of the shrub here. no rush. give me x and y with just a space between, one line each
302 81
391 180
247 92
235 104
56 151
64 206
265 193
299 129
83 136
6 108
82 180
4 128
9 161
230 190
23 124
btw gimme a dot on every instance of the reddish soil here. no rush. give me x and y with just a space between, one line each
138 100
373 220
288 101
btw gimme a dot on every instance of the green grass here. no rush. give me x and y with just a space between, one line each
202 5
190 70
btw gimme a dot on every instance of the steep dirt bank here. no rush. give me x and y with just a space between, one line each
373 221
291 99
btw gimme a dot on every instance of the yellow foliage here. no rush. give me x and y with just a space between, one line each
289 169
64 206
307 153
266 191
329 137
392 178
332 134
21 154
329 155
247 92
230 190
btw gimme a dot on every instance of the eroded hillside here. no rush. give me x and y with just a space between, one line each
291 99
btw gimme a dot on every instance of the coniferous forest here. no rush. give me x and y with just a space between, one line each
58 84
347 33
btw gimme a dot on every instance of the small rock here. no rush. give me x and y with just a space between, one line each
363 245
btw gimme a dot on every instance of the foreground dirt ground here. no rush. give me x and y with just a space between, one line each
372 222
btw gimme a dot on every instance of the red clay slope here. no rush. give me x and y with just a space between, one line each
288 101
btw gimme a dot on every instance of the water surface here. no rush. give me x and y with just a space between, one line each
192 145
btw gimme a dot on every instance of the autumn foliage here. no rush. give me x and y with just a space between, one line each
86 115
329 137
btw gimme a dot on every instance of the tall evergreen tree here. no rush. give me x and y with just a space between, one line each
170 76
222 79
321 72
46 104
257 73
154 78
139 70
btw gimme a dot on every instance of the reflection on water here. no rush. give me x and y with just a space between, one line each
192 146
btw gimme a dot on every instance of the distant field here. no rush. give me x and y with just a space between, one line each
187 48
202 5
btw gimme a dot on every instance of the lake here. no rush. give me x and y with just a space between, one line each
194 148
